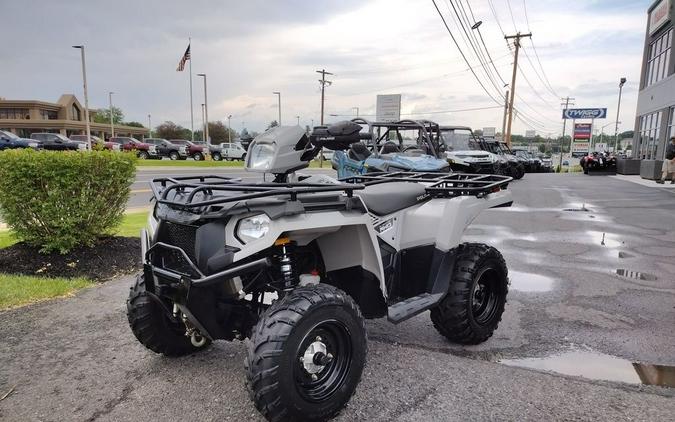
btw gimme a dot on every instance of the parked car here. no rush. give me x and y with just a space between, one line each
143 151
229 151
168 149
195 151
8 140
97 142
58 142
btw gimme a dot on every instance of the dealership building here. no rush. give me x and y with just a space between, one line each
66 116
655 121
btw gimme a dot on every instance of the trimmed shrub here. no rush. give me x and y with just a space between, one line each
58 200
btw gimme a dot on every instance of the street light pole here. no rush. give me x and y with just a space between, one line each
618 109
206 111
277 93
229 128
112 126
203 125
298 117
86 95
149 126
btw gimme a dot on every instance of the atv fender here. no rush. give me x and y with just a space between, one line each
345 239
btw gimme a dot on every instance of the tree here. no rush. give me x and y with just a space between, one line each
102 115
272 124
133 124
170 130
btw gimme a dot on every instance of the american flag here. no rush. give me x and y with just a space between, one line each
185 58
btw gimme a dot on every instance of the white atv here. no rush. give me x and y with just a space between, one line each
295 266
465 152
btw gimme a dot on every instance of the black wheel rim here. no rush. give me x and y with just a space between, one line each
320 386
485 296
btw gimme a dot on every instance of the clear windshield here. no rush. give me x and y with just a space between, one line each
459 141
8 134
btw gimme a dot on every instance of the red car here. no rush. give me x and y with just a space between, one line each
143 151
194 151
96 141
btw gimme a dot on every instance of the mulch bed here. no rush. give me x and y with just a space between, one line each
110 257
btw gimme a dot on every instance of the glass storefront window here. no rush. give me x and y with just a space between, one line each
48 115
14 113
659 58
650 125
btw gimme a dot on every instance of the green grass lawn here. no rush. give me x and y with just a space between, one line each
18 290
192 163
6 239
188 163
131 227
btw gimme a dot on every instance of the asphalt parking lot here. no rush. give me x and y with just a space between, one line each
568 310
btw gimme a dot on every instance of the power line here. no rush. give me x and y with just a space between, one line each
548 83
427 112
462 53
470 42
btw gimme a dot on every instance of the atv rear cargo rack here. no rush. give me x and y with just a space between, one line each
203 191
440 185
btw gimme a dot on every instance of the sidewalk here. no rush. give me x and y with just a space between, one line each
644 182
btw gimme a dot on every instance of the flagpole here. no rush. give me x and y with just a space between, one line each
192 116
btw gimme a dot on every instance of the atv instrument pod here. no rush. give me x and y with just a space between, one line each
280 150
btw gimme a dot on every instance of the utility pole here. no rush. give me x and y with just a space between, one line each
112 127
506 111
229 128
357 111
566 104
278 94
86 95
323 83
203 123
206 111
516 43
618 109
149 127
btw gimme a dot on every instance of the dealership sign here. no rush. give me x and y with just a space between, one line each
584 113
388 108
582 131
659 15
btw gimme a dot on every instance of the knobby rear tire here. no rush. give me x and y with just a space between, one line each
454 317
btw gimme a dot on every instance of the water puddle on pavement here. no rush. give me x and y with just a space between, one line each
529 282
598 366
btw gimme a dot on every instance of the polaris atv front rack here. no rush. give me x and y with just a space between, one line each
221 190
441 185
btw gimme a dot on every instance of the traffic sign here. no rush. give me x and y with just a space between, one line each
584 113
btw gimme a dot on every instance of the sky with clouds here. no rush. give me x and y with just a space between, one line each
250 49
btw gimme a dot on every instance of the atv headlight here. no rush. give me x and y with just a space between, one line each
253 228
260 157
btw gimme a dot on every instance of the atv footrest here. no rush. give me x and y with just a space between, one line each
408 308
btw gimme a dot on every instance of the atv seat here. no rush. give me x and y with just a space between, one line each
389 148
386 198
358 151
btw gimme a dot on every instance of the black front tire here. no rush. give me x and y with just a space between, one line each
473 307
153 327
174 156
199 156
280 384
143 155
216 156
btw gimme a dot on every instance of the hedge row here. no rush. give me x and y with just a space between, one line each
59 200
